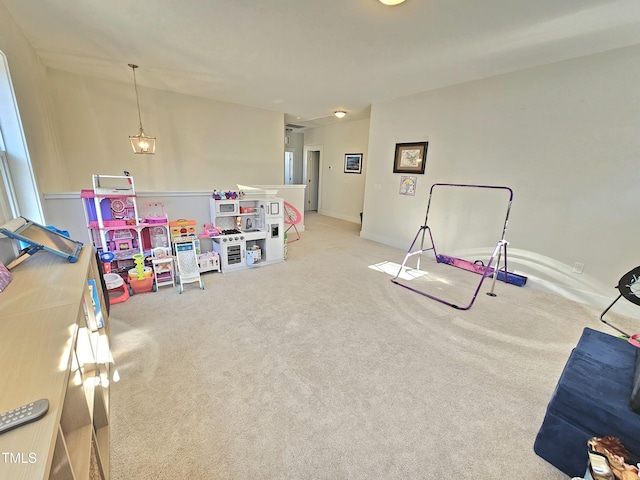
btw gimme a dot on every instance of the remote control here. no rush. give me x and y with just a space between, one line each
22 415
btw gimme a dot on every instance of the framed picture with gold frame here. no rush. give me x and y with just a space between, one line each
410 157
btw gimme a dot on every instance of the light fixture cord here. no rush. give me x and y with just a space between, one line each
135 85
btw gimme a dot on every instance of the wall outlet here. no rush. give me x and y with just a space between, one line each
578 267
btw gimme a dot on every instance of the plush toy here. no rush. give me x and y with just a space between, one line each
612 448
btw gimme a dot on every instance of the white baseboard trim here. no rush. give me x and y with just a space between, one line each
340 216
594 299
392 242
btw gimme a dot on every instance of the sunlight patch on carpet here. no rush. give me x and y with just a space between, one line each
391 268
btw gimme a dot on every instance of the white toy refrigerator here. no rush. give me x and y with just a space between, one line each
274 228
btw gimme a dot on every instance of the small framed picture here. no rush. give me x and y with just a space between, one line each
352 163
410 157
408 185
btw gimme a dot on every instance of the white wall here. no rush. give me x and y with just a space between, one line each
201 144
341 194
565 137
38 146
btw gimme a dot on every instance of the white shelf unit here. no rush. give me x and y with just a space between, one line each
52 347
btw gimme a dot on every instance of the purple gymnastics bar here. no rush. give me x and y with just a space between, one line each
485 271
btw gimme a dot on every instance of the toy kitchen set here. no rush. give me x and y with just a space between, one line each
249 228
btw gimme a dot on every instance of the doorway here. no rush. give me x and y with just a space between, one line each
311 170
288 167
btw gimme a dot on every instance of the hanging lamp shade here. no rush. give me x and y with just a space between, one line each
141 143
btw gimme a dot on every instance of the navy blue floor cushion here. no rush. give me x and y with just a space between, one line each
593 398
635 394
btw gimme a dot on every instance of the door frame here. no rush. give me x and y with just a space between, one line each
307 149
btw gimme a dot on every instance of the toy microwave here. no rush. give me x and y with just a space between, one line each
227 207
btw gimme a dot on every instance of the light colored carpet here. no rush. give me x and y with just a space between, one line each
321 368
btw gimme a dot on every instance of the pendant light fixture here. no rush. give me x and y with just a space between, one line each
141 143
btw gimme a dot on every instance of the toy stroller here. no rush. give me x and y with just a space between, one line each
188 271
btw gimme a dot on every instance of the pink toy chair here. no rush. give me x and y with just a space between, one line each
292 217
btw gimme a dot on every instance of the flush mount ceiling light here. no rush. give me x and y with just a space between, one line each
141 143
391 2
340 113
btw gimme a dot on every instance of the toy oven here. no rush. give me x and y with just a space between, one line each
232 252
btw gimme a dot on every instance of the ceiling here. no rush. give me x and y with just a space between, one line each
308 58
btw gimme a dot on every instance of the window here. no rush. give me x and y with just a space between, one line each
8 204
19 195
